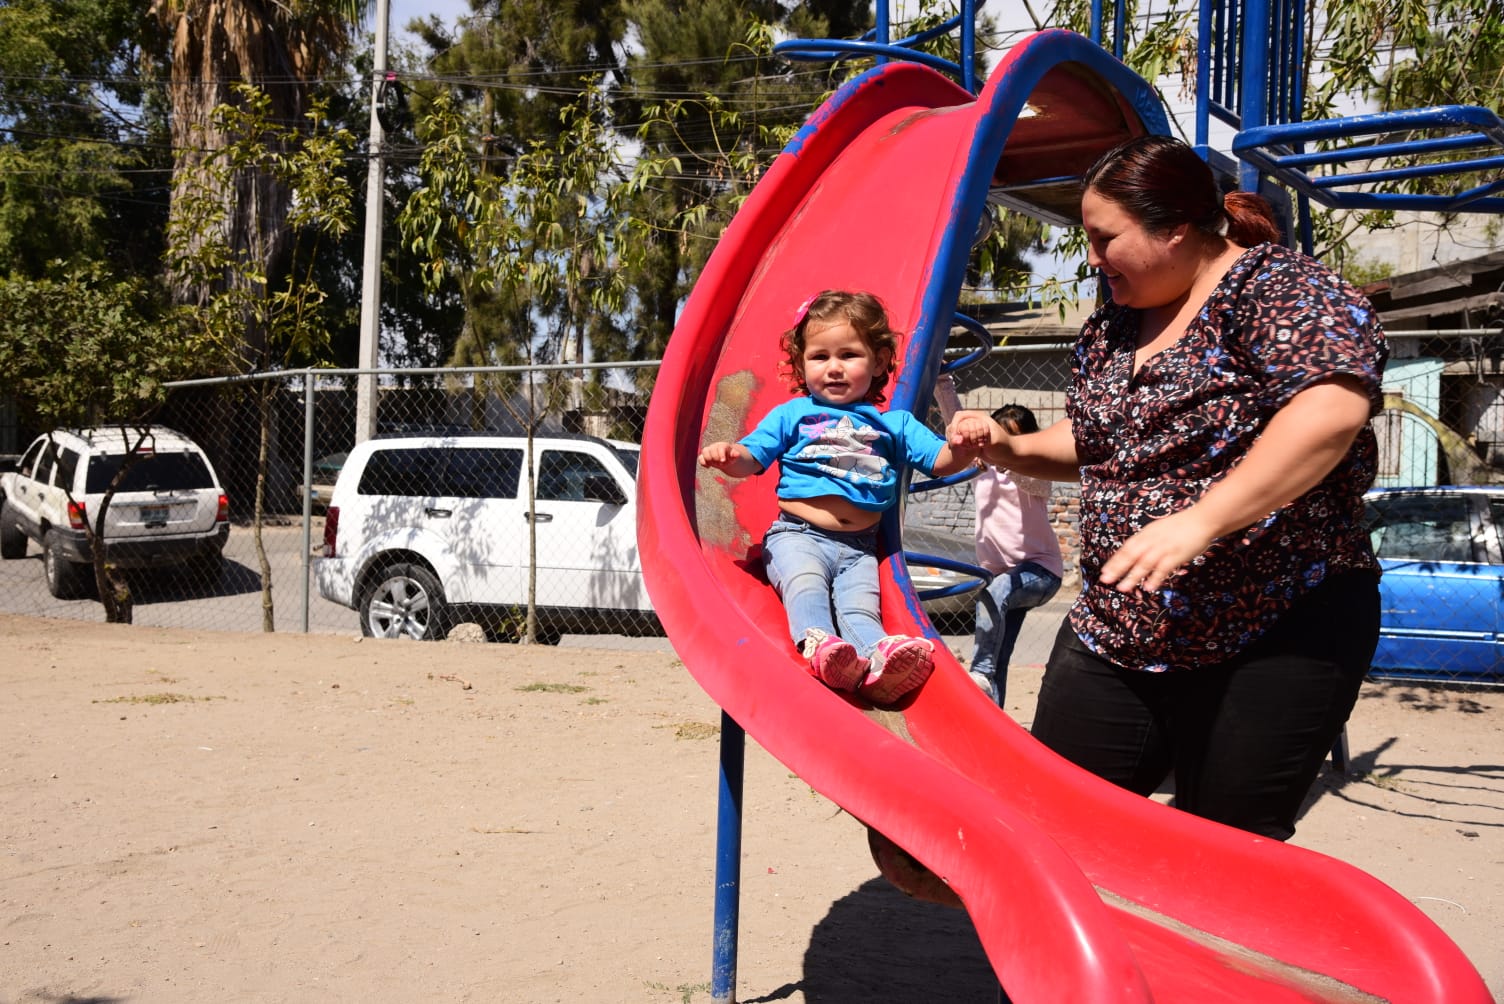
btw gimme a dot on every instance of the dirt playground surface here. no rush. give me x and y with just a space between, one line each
203 816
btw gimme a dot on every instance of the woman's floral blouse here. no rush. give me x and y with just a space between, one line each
1151 443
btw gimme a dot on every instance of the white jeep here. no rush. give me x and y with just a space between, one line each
422 533
168 508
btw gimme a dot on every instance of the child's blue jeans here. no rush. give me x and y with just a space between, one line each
826 579
1016 592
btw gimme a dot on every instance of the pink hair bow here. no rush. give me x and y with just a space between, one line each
803 310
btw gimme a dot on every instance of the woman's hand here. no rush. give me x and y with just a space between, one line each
1049 453
973 431
1149 558
1303 442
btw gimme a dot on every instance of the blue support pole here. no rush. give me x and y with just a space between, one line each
728 861
969 45
1254 80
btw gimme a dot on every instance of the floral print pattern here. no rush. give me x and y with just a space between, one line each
1150 443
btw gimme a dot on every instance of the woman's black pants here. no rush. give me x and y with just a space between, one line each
1244 739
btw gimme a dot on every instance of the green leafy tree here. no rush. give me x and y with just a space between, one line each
510 82
701 154
84 137
702 106
304 159
418 326
1393 56
709 106
79 348
215 47
541 247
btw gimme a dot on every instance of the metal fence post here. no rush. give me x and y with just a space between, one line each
305 564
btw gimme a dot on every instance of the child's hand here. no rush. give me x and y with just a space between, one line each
966 453
723 455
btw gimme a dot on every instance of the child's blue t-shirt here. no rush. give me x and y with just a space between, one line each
849 450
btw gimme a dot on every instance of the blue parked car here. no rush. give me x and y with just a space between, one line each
1443 586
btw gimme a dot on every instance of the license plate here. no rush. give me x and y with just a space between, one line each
154 515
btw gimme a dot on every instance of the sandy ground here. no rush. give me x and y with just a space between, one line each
203 816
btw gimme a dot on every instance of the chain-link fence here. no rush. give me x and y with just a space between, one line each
278 444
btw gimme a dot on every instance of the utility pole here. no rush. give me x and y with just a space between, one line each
370 286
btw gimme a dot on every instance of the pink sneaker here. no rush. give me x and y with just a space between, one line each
833 662
899 665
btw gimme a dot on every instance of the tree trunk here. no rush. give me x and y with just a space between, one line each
264 395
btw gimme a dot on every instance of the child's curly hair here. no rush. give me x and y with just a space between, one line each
864 312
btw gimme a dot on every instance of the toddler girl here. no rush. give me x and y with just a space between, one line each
840 461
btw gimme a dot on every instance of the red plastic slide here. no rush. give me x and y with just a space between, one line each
1079 891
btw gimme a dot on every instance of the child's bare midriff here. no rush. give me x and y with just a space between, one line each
831 512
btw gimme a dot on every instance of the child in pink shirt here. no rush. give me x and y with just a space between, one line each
1017 544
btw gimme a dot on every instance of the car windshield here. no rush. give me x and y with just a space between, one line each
152 472
628 458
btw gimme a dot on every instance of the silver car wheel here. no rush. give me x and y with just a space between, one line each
404 602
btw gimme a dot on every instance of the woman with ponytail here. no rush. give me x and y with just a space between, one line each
1218 423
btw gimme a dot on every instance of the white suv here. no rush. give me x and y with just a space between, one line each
423 533
168 509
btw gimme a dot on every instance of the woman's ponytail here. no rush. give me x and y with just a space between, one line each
1250 219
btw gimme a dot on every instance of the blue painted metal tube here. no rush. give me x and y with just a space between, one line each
1202 125
1303 216
1479 164
827 49
944 28
1297 62
977 572
1435 117
944 481
728 861
1254 78
1373 151
979 331
968 17
878 44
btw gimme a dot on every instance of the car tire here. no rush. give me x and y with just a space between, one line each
403 601
65 579
12 537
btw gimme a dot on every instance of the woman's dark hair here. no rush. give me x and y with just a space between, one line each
864 312
1163 183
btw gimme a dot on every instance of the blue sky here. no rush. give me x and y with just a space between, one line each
403 11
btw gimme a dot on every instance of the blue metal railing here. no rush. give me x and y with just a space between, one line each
982 577
1250 74
877 43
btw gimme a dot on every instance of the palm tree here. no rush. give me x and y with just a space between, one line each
282 47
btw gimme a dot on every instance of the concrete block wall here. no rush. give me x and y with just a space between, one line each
1036 376
952 511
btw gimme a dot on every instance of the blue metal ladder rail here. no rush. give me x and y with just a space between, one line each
1250 76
